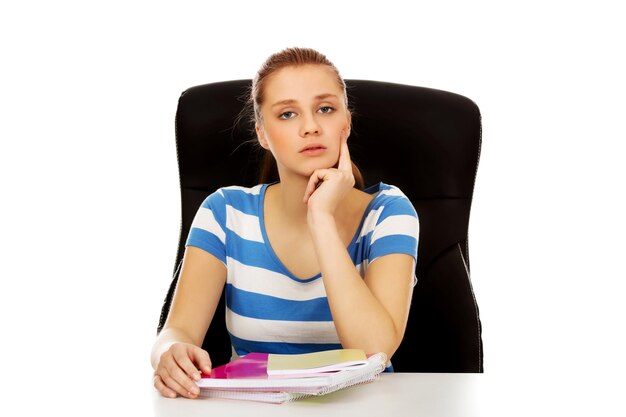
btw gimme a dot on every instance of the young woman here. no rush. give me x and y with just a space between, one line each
308 260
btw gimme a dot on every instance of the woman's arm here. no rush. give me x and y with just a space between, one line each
177 352
370 313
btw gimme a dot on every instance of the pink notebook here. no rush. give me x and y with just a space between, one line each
253 365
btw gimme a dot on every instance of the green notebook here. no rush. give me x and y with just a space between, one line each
316 362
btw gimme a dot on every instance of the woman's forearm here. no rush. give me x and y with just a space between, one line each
360 319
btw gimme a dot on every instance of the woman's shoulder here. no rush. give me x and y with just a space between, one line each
385 192
239 197
390 200
239 190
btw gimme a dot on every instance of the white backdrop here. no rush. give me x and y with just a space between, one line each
90 215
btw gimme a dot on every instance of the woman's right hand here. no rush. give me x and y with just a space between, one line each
177 370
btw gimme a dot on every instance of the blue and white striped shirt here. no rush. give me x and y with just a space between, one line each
268 309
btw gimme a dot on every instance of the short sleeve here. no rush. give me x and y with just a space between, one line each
208 229
396 230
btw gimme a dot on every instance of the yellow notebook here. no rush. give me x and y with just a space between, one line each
316 362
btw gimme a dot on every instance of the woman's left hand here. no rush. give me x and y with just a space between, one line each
328 186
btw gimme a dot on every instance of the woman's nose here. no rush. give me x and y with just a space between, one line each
309 126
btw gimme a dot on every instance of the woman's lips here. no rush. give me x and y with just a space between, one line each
313 149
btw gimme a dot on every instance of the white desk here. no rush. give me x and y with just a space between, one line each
393 395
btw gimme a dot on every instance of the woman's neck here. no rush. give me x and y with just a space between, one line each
288 197
286 200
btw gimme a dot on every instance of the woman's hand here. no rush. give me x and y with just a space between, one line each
328 186
178 369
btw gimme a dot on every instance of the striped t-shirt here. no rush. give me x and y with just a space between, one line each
268 309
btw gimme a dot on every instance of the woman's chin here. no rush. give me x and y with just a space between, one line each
308 169
324 165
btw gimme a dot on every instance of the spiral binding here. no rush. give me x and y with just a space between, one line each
266 397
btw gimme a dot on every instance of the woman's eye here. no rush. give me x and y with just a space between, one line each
326 109
286 115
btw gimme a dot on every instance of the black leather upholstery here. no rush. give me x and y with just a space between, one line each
425 141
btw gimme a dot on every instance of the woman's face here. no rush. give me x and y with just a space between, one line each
304 119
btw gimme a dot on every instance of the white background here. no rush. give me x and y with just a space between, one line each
90 215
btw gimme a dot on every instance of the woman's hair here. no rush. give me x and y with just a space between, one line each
287 58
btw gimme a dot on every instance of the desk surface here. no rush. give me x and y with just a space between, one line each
397 395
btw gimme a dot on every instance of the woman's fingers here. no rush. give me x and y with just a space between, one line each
176 379
178 372
344 169
202 360
317 176
186 364
344 158
172 384
162 388
172 380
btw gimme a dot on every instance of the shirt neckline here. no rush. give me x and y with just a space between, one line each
373 189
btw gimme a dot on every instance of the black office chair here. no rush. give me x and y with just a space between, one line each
425 141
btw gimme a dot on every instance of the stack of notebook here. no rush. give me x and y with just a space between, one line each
279 378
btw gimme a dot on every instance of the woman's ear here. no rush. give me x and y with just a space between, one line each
260 134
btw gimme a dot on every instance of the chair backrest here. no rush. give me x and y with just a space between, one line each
425 141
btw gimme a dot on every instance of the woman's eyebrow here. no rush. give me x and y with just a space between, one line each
278 103
292 101
323 96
